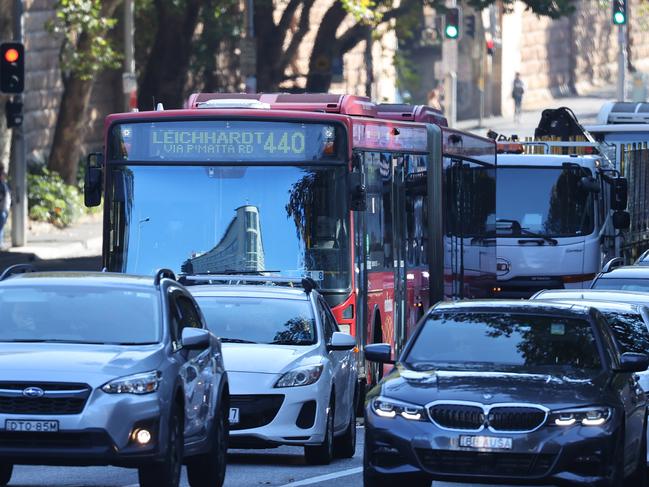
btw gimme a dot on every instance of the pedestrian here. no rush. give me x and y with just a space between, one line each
5 203
518 89
433 100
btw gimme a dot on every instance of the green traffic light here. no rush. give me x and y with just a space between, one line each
618 18
451 31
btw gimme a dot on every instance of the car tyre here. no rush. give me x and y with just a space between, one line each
323 454
374 479
345 445
208 470
167 472
6 470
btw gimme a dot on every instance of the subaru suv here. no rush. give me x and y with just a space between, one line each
110 369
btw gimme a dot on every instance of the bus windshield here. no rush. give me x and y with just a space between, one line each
288 220
544 201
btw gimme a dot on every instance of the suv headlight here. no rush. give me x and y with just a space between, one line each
302 376
391 408
588 416
144 383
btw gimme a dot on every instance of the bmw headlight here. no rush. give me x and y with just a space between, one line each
588 416
302 376
144 383
391 408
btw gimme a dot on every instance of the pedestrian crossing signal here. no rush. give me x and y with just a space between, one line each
619 12
452 23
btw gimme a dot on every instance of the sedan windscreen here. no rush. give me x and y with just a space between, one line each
628 284
502 341
259 320
75 314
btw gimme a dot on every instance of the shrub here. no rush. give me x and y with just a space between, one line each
51 200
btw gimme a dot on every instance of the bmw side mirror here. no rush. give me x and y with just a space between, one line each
379 352
633 362
195 338
341 341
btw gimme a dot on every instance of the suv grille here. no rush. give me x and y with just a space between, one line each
475 417
56 398
483 463
255 410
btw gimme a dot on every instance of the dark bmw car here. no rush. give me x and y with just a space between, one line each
508 392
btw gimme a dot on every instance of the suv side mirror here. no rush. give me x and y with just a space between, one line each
633 362
341 341
92 184
379 352
195 338
621 220
358 192
619 193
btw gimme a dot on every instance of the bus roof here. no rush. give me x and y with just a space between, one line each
411 113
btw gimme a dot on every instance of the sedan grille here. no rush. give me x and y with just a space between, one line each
448 462
457 416
46 398
475 417
516 418
255 410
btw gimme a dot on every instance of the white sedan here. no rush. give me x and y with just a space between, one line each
292 373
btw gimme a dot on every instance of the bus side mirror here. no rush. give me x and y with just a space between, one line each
619 193
621 220
590 184
92 185
358 192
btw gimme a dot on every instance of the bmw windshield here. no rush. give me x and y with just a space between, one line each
196 206
546 201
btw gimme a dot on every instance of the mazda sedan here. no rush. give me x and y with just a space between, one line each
508 392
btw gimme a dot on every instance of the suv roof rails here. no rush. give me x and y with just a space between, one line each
162 274
16 269
307 283
612 264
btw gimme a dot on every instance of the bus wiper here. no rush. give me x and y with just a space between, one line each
236 340
518 229
234 272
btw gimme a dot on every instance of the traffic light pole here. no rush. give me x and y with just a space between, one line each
18 166
621 62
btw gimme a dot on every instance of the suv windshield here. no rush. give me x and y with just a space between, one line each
259 320
506 342
79 314
543 200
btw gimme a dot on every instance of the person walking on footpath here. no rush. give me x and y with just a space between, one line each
518 89
5 204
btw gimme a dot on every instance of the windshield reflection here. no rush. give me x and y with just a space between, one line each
287 220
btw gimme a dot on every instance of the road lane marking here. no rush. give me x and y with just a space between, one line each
324 478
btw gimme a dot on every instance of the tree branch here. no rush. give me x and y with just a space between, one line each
287 15
298 36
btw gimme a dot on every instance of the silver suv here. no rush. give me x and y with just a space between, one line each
110 369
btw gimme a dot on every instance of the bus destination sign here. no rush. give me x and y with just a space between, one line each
224 141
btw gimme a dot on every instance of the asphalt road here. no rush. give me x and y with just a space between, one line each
281 467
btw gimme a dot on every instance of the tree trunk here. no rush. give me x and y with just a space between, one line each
166 71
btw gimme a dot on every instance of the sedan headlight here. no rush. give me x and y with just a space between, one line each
391 408
589 416
144 383
302 376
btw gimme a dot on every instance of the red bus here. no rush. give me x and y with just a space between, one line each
298 185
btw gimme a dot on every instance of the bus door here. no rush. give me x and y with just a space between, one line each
399 240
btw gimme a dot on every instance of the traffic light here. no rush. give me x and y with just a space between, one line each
12 67
619 12
453 19
469 24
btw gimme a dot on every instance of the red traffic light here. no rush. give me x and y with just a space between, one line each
12 55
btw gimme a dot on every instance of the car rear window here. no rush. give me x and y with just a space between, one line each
259 320
622 284
514 342
79 314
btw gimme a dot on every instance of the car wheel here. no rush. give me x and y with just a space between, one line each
167 472
208 470
374 479
345 445
322 454
6 469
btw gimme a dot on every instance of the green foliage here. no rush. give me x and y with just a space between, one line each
77 18
51 200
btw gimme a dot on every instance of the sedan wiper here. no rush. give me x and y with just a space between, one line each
517 228
290 342
51 340
236 340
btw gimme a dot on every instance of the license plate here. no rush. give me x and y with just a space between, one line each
234 415
488 442
32 426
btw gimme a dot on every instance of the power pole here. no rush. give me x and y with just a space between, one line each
621 62
129 81
249 49
18 166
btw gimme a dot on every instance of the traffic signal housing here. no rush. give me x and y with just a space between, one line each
452 23
12 67
619 12
469 25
